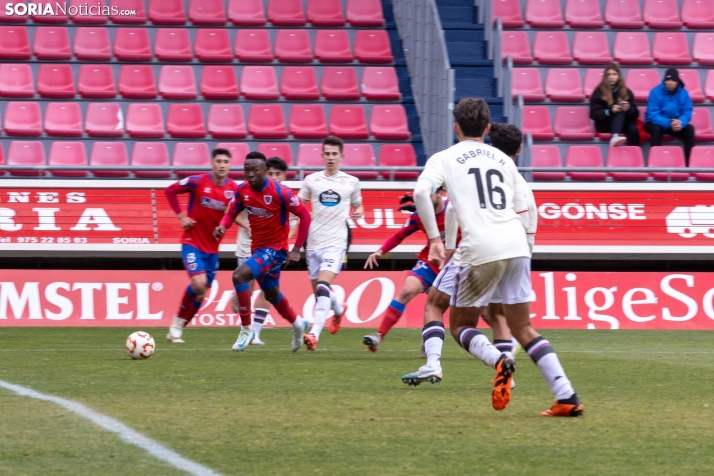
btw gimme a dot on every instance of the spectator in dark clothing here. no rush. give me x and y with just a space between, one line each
613 108
669 110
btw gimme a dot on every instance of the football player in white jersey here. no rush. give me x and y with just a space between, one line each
486 192
334 196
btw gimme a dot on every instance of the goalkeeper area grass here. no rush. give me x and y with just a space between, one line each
343 410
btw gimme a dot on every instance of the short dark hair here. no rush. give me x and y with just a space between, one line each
220 151
506 137
332 140
473 116
256 155
276 163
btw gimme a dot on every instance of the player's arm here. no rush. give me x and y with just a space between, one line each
451 232
293 227
234 208
296 207
431 178
243 223
525 207
356 208
187 185
393 241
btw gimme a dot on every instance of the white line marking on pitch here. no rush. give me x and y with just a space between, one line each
115 426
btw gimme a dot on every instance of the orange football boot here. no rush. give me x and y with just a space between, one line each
501 394
310 341
337 320
565 408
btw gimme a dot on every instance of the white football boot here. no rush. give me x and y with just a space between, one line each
244 337
298 331
256 338
372 341
176 330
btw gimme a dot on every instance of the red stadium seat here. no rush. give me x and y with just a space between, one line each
698 14
671 48
389 123
573 123
23 119
238 152
267 121
585 156
593 77
536 122
702 157
527 82
63 154
286 12
14 43
281 150
623 14
109 154
690 77
547 156
299 83
325 13
16 80
373 46
626 156
552 47
509 11
132 44
516 45
5 18
137 82
191 154
55 81
293 46
59 17
360 155
632 48
137 6
213 45
398 155
186 121
583 14
207 12
92 44
310 155
348 122
96 81
564 84
641 82
246 12
51 43
380 84
177 82
145 120
28 153
63 119
173 44
703 49
340 84
167 12
150 154
104 119
91 17
226 121
333 46
544 14
667 156
662 14
308 122
365 13
259 82
702 123
219 82
591 47
708 84
253 46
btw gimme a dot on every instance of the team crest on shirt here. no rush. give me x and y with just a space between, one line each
228 194
268 199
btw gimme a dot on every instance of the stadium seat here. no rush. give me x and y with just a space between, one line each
593 77
671 49
186 121
573 123
703 49
16 80
132 44
702 157
28 153
64 154
702 123
398 155
583 14
219 82
389 123
662 14
552 47
51 43
267 121
365 13
92 44
191 154
104 119
246 12
96 81
623 14
286 13
547 156
310 155
536 122
564 84
708 84
632 48
23 119
641 82
281 150
238 152
88 17
380 84
63 119
516 45
691 80
591 47
340 84
373 46
259 82
59 17
308 122
584 156
226 121
698 14
348 122
167 12
299 83
5 18
253 46
509 11
325 13
136 5
360 155
207 12
667 156
137 82
177 82
145 120
333 46
626 156
173 44
55 81
544 14
14 43
293 46
213 45
109 154
527 82
150 154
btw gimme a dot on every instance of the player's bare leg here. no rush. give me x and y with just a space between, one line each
190 304
242 276
411 289
325 300
433 338
281 304
502 338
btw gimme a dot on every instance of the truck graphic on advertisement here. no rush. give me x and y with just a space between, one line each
688 222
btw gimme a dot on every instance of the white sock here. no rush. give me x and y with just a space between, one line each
259 320
322 309
433 336
482 349
548 363
336 305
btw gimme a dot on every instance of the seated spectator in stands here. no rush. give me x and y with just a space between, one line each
669 110
613 108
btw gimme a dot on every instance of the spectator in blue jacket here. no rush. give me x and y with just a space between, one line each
669 110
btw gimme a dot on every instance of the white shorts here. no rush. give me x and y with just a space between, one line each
325 259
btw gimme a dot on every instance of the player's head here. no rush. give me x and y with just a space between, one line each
507 138
220 163
332 153
276 169
472 119
436 198
255 169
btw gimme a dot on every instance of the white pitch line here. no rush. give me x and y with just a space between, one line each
124 432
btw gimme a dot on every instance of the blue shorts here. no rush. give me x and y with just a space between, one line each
265 263
197 262
424 273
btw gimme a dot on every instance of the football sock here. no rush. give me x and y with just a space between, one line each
391 317
477 344
322 308
189 305
504 346
433 337
259 320
545 358
335 304
244 303
284 309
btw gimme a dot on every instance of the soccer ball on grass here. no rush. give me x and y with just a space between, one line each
140 345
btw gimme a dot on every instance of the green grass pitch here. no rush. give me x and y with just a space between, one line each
342 410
